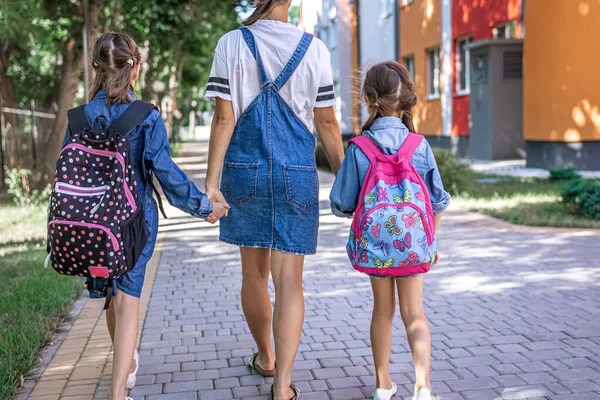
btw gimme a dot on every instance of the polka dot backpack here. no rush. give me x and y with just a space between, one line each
97 227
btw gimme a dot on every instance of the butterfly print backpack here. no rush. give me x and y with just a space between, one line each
96 223
393 230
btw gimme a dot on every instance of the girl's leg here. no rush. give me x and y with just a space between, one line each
256 303
410 295
111 321
384 310
127 312
289 318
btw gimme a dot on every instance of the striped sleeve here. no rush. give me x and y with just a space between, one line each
218 82
325 94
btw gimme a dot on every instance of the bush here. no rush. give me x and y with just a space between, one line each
456 175
583 196
568 174
19 186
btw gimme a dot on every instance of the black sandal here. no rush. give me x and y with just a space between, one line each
255 367
294 388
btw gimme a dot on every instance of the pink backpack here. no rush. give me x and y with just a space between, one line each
393 232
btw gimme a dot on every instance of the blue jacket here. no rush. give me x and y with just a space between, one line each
388 133
149 144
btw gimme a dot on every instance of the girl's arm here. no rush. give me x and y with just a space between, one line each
222 128
328 130
346 188
180 191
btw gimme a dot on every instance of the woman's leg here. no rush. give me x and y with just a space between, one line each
410 295
256 303
289 318
127 313
384 310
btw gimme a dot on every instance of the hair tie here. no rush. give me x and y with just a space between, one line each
95 64
130 62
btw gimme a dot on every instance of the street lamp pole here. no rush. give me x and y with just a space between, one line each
86 60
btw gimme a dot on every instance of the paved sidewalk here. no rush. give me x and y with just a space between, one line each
518 168
514 314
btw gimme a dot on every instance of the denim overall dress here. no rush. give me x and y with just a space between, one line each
270 175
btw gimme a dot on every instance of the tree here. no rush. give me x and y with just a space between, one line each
72 66
182 35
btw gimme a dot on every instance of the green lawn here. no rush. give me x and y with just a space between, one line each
534 202
33 300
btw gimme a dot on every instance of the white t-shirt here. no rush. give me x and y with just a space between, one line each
234 74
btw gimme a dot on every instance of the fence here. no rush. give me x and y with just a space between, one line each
24 134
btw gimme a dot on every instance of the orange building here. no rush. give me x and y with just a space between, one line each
420 39
434 40
561 84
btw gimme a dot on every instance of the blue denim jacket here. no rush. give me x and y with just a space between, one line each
388 133
149 143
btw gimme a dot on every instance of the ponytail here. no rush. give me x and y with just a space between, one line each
263 8
407 120
372 117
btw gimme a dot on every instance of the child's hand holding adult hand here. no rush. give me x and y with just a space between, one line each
220 210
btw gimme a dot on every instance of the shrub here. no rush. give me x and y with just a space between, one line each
19 186
456 175
568 174
583 196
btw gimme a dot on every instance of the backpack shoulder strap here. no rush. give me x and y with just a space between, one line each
132 117
367 146
78 120
409 146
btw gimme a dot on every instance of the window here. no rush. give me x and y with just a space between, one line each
462 65
433 72
506 31
409 63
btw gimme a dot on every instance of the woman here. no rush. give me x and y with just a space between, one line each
270 80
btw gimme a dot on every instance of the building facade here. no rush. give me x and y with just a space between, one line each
335 23
561 84
560 90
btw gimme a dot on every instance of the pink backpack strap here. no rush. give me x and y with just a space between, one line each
409 146
367 146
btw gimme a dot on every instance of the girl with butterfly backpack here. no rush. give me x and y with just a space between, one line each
103 219
389 182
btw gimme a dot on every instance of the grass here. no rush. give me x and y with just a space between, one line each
21 224
33 300
534 202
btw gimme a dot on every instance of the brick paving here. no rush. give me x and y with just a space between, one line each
514 314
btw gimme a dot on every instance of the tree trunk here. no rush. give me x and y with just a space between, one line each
6 85
71 76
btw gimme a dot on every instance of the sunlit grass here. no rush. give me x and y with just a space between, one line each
534 202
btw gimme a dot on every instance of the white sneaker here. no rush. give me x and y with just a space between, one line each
128 398
424 394
132 378
385 394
